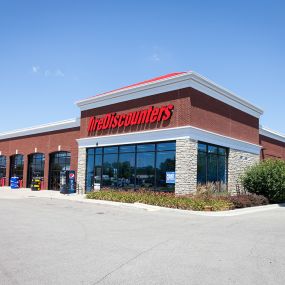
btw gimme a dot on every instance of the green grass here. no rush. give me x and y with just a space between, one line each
163 200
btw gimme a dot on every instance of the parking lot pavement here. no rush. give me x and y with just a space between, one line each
52 241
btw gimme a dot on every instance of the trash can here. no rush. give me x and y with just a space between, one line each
14 182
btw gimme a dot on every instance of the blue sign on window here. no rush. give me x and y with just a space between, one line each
170 177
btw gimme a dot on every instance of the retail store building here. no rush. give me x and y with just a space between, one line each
167 134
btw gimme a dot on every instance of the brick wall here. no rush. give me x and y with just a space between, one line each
271 148
45 143
191 107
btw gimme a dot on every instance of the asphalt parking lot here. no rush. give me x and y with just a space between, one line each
51 241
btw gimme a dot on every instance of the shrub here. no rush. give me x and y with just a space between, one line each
266 178
247 200
163 200
211 190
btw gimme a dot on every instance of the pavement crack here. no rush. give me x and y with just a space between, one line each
130 260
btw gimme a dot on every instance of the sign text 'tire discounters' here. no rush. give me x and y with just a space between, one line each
146 116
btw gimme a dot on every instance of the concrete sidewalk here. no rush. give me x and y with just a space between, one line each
64 242
24 193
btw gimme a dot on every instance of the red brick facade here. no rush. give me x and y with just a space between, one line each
271 148
191 107
45 143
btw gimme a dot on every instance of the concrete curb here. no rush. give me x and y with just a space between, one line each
27 193
152 208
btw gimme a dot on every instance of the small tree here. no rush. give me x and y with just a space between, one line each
266 178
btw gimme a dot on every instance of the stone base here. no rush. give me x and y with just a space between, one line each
81 171
238 162
186 166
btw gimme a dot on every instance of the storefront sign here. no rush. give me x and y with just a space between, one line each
140 117
170 177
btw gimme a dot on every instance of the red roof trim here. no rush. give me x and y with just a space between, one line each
144 82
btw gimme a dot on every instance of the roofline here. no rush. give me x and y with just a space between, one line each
271 134
184 80
50 127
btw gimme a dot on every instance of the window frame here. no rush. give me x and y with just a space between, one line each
135 151
218 154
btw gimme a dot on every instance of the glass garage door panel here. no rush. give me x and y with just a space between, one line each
17 166
2 166
59 161
36 164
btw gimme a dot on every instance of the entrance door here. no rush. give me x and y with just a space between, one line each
59 161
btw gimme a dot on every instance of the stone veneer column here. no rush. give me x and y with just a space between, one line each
186 166
238 162
81 171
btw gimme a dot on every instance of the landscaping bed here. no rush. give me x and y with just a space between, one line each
193 202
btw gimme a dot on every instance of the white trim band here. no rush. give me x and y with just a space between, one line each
271 134
185 80
169 134
50 127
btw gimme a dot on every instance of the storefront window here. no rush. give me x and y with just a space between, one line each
165 163
126 169
2 166
145 169
212 164
141 166
110 170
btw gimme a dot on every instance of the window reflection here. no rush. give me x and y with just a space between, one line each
126 170
165 162
145 170
212 164
110 170
142 166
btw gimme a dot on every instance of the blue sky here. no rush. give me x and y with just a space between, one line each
53 53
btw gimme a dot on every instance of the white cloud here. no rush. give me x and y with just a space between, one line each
47 73
155 57
59 73
35 69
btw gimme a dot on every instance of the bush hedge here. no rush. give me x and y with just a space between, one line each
163 199
247 200
266 178
196 203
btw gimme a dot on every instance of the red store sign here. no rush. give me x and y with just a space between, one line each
140 117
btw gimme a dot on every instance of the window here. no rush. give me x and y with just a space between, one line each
137 166
145 174
126 168
212 164
2 166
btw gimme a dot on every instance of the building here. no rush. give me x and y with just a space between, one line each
168 133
